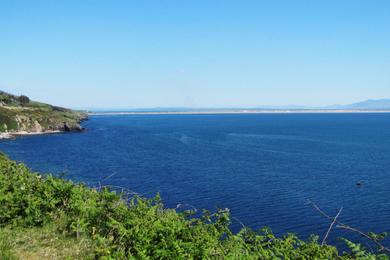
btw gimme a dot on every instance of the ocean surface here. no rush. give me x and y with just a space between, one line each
263 167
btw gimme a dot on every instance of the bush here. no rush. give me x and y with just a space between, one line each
142 228
23 100
4 98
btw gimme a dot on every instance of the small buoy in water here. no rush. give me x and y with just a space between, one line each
359 183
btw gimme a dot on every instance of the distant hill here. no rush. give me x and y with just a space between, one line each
19 114
371 104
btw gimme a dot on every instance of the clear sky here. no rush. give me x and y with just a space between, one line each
195 53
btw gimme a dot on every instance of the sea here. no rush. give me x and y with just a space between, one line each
268 169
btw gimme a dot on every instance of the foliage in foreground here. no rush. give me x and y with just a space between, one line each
42 243
115 227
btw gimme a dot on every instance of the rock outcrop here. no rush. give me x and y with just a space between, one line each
31 117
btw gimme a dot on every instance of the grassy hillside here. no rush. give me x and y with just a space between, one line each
43 217
19 113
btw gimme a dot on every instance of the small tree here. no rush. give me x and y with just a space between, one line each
5 99
24 100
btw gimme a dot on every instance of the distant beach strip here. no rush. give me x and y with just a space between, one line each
210 112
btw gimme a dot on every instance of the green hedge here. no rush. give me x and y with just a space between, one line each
142 228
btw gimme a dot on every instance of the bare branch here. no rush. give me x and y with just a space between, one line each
180 205
239 221
347 227
330 227
109 176
122 189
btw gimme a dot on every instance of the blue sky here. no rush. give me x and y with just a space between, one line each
200 53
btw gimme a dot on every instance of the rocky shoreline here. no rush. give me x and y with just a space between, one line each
39 131
11 135
21 116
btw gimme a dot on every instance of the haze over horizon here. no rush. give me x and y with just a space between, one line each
195 53
363 104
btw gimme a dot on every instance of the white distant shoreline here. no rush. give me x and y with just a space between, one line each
212 112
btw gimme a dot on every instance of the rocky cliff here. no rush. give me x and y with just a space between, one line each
20 115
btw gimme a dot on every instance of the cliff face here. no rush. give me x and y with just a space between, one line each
19 114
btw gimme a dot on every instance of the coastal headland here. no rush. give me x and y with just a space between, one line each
21 116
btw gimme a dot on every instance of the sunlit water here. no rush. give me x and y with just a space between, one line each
263 167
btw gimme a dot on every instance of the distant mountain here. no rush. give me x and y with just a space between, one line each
371 104
375 104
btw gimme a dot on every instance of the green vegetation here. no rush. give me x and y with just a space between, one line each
42 243
23 100
19 113
12 100
44 217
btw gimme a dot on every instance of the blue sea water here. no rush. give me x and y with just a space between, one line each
263 167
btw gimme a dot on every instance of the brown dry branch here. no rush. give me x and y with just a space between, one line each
180 205
239 222
330 227
123 190
347 227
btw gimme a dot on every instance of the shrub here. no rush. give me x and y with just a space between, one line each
142 228
23 100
